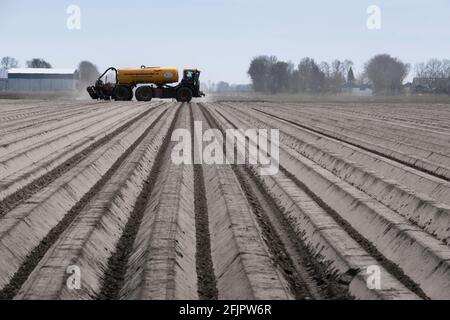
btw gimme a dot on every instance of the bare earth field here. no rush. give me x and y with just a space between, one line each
363 189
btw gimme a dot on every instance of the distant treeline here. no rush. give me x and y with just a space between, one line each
10 62
224 86
382 73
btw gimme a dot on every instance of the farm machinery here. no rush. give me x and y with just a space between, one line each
149 83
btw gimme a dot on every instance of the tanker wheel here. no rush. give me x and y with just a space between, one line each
123 93
144 93
184 95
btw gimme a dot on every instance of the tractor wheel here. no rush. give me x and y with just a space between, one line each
184 95
144 93
123 93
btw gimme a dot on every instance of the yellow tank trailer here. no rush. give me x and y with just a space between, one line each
158 76
150 82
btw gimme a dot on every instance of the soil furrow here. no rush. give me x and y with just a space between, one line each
297 275
27 191
349 199
367 240
36 254
46 161
206 279
364 242
255 280
421 210
118 262
397 291
92 237
417 181
406 163
13 141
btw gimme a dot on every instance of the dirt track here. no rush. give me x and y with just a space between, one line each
93 185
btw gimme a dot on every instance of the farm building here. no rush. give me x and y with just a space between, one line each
28 79
357 90
3 80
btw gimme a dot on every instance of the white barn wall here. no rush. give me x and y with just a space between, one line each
41 85
35 80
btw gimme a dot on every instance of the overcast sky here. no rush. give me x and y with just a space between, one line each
221 36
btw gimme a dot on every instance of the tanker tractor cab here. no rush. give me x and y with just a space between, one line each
150 82
189 86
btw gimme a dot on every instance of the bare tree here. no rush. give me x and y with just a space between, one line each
294 83
433 68
38 63
362 79
259 72
280 74
347 65
432 76
311 78
337 79
9 63
386 73
325 68
446 67
420 69
338 74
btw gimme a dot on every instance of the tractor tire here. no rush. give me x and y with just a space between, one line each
123 93
184 95
144 93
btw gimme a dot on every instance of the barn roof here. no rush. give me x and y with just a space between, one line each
41 71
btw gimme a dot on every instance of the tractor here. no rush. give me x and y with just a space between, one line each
147 83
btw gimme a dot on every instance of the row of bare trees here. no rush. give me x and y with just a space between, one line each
433 68
270 75
10 63
385 74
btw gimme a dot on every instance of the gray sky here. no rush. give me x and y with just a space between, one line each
221 36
